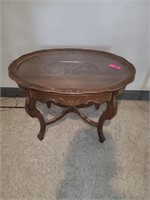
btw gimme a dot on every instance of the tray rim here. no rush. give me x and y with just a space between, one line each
129 77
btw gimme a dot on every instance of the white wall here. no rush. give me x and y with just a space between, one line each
117 26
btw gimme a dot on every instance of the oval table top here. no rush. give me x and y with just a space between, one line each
72 71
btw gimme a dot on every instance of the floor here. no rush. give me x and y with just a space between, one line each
70 163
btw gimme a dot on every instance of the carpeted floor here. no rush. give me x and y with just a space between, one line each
70 163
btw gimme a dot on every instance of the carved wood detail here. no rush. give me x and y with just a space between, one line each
71 78
72 100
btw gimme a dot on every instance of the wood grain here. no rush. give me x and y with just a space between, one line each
71 78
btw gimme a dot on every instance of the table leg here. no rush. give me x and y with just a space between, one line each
48 104
97 106
30 107
109 113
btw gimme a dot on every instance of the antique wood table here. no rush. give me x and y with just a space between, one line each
72 78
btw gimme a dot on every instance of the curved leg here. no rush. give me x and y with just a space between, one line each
109 113
48 104
30 107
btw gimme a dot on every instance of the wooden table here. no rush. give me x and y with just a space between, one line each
72 78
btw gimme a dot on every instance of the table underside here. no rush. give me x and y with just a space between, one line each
72 103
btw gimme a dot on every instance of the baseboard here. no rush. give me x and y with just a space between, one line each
135 95
11 92
127 95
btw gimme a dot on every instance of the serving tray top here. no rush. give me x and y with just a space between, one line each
72 71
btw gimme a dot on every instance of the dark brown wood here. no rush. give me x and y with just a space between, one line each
71 71
61 115
71 78
49 104
84 117
109 113
30 107
97 106
74 110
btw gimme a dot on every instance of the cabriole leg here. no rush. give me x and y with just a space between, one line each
30 107
109 113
